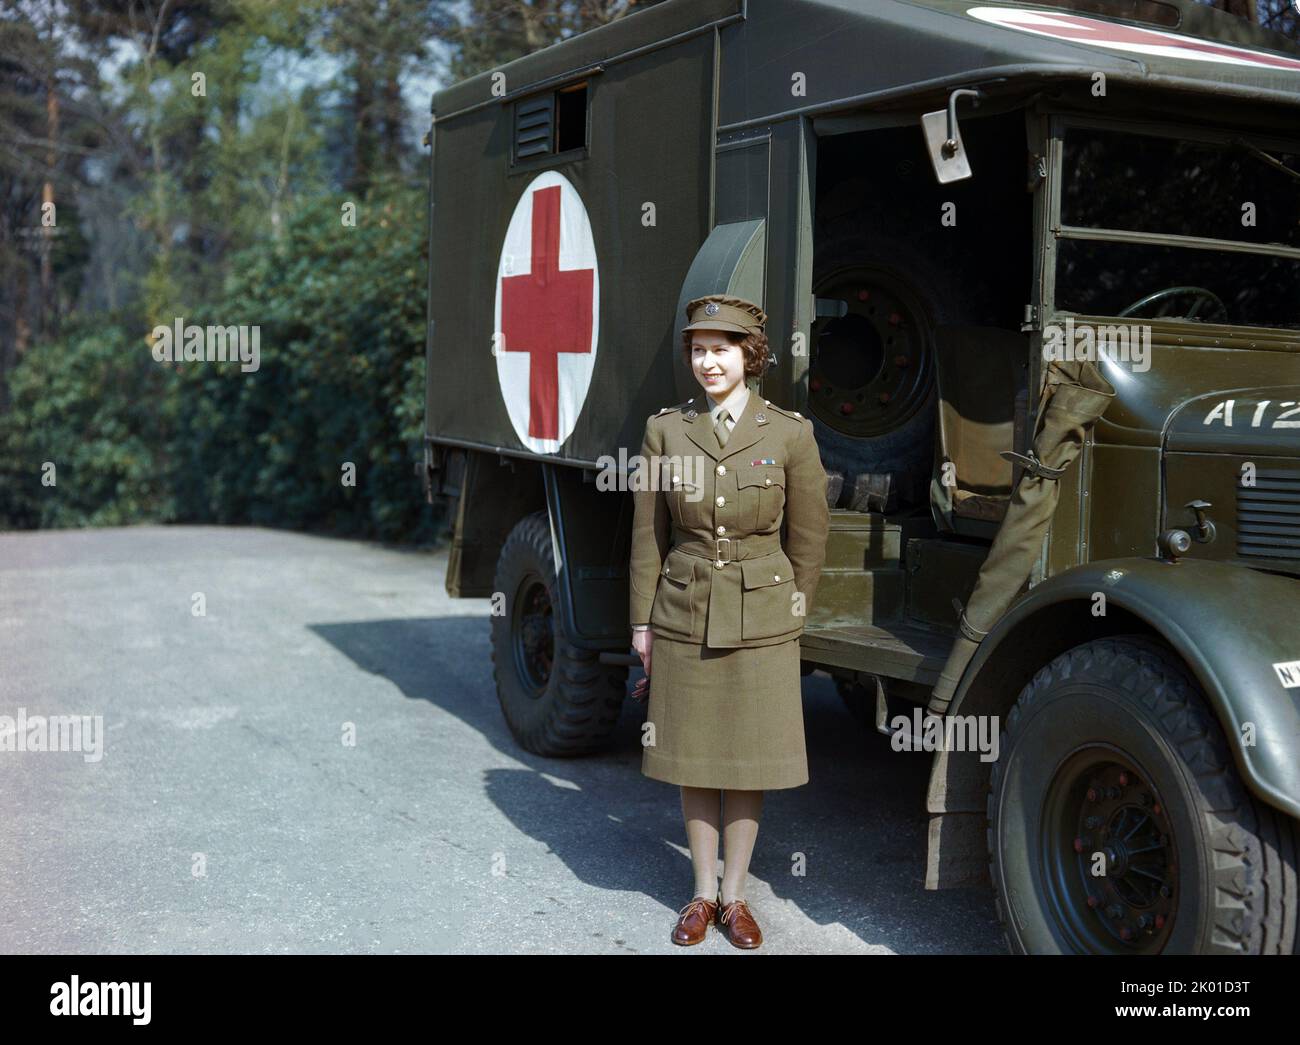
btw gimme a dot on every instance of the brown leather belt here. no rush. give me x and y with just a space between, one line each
730 549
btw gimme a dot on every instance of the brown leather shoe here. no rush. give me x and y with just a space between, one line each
738 925
693 921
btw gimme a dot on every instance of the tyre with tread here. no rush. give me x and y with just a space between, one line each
1117 821
558 700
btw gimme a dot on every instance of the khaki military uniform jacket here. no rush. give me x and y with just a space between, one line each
728 543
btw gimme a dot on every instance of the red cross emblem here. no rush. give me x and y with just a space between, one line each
1119 37
547 316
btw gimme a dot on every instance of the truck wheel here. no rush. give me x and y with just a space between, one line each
1117 823
872 393
558 700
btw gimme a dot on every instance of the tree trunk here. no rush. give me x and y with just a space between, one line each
22 328
49 292
393 120
363 121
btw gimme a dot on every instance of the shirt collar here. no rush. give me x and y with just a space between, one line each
734 403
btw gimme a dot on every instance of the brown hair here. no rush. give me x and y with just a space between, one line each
752 346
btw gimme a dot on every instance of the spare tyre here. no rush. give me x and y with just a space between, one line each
872 393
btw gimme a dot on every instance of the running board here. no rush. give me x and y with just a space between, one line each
904 652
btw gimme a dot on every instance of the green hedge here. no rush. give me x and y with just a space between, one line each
341 379
85 412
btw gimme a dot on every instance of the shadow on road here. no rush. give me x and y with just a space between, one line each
860 823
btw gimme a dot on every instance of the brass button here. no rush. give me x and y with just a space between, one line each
722 502
665 569
767 482
776 576
677 478
718 564
722 469
722 529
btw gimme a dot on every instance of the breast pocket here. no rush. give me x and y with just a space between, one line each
761 490
768 607
684 495
673 611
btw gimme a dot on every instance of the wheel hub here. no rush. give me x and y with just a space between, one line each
534 636
870 368
1111 864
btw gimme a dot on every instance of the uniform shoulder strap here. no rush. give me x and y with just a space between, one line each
680 408
772 407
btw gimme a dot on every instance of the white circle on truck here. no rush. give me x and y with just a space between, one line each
1117 36
547 314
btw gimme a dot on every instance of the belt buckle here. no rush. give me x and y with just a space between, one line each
719 542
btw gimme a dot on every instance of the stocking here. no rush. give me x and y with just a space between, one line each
702 809
740 816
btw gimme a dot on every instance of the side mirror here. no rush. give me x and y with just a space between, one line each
943 139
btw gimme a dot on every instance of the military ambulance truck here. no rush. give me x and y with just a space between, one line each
932 199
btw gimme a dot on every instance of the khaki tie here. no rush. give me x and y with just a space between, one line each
720 427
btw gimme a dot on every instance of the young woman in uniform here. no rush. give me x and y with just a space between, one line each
729 539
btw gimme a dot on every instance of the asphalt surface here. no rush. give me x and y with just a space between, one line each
228 812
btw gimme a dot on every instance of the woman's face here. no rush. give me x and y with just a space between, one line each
719 365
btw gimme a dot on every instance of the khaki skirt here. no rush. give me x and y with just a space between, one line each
725 718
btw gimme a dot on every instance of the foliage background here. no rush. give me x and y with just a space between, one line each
225 207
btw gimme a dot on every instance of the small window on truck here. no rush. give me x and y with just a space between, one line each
551 124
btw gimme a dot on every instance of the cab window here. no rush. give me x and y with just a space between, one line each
1138 214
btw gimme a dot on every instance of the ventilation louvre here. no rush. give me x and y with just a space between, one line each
1268 516
534 120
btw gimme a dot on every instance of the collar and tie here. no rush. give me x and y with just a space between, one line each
720 428
726 414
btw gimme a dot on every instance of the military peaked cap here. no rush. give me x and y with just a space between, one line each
724 312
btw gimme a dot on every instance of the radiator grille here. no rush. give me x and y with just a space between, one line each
1268 515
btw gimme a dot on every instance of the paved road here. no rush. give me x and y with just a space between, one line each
227 814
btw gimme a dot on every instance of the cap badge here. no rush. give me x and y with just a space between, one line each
711 309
